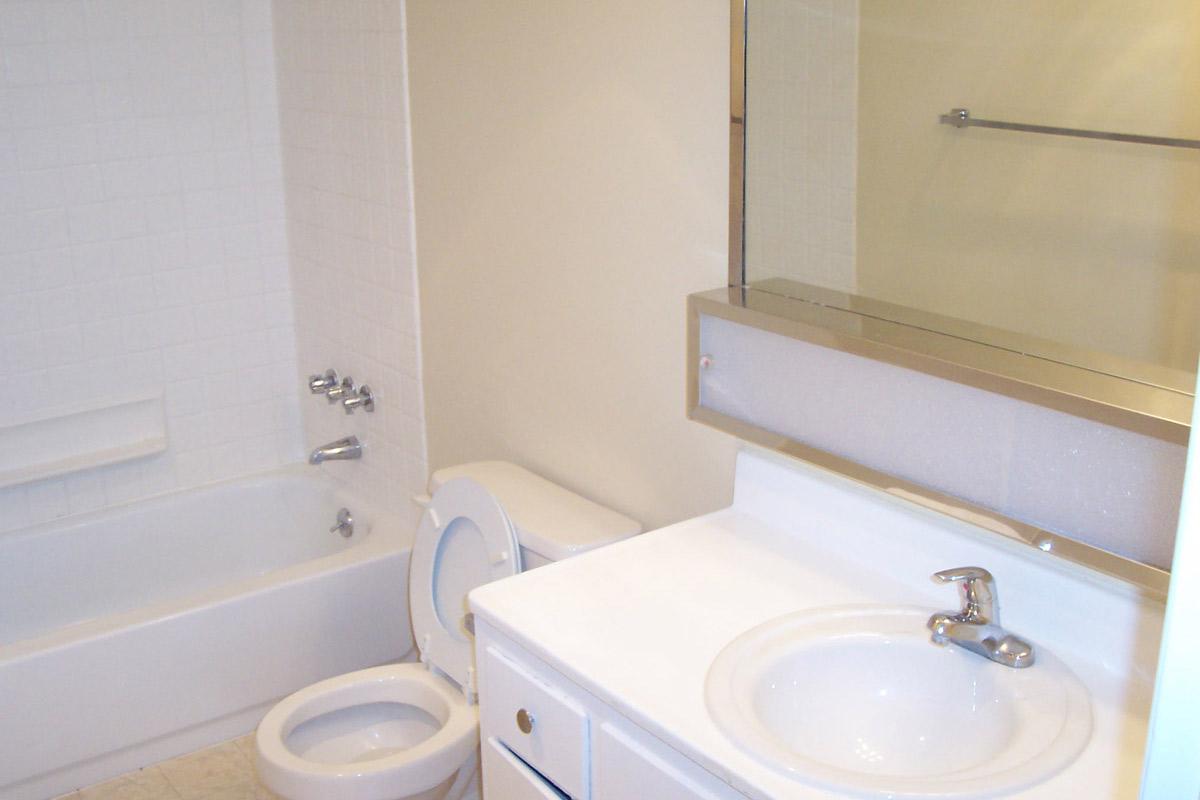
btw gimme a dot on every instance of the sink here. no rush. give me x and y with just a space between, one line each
858 699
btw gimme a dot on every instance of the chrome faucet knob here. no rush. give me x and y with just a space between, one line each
362 399
978 587
319 384
343 389
345 524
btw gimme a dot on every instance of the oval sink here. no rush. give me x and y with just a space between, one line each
859 699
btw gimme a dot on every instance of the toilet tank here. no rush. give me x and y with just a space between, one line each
552 523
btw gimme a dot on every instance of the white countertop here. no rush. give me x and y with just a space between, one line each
638 623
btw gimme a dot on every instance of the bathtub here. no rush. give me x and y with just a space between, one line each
137 633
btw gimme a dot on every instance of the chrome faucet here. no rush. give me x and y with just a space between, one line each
360 398
345 524
340 390
341 450
319 384
977 626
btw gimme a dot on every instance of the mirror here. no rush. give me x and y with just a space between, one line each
1019 223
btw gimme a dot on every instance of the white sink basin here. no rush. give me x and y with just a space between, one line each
858 699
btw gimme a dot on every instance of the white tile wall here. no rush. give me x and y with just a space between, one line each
802 137
142 236
343 111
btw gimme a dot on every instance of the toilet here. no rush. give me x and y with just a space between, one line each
411 731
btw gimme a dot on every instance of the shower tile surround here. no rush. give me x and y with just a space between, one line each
142 238
344 120
145 248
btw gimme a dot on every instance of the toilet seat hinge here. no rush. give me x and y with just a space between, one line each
472 687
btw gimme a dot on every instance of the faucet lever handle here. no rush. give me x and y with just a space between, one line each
345 524
963 574
978 589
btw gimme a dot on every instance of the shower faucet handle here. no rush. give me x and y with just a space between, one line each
320 384
344 389
345 524
361 399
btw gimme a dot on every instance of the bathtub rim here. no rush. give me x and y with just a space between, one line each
387 533
294 470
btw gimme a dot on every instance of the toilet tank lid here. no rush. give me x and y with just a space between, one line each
551 521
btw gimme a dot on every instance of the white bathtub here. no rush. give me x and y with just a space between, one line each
138 633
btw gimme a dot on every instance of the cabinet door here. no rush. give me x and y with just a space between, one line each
629 764
506 777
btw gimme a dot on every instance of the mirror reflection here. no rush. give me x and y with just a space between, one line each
1074 247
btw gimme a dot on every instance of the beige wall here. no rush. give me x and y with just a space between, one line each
570 164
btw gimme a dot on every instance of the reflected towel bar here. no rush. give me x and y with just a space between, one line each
961 118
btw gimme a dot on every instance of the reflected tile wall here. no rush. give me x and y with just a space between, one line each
801 134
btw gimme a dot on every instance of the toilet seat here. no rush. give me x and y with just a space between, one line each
464 540
419 768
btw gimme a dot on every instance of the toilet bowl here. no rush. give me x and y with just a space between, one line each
397 731
410 731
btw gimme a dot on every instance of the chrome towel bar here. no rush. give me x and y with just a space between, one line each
961 118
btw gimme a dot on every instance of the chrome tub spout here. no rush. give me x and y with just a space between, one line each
341 450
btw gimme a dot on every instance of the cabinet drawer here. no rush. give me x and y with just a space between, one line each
629 764
506 777
555 740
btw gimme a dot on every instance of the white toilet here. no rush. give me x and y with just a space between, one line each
410 731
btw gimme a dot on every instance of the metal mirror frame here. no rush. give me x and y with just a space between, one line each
1144 398
1155 402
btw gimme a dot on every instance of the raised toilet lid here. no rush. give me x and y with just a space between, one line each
464 540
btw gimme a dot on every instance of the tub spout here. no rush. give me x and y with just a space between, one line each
341 450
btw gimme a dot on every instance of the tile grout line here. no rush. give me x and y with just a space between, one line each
245 773
170 783
167 780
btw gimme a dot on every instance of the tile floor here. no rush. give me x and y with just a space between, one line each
222 772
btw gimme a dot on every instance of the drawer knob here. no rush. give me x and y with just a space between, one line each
525 721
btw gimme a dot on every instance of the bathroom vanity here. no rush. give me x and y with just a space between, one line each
777 649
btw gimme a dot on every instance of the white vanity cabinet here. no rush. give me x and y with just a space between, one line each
545 738
613 658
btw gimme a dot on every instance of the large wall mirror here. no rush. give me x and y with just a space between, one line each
1022 174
